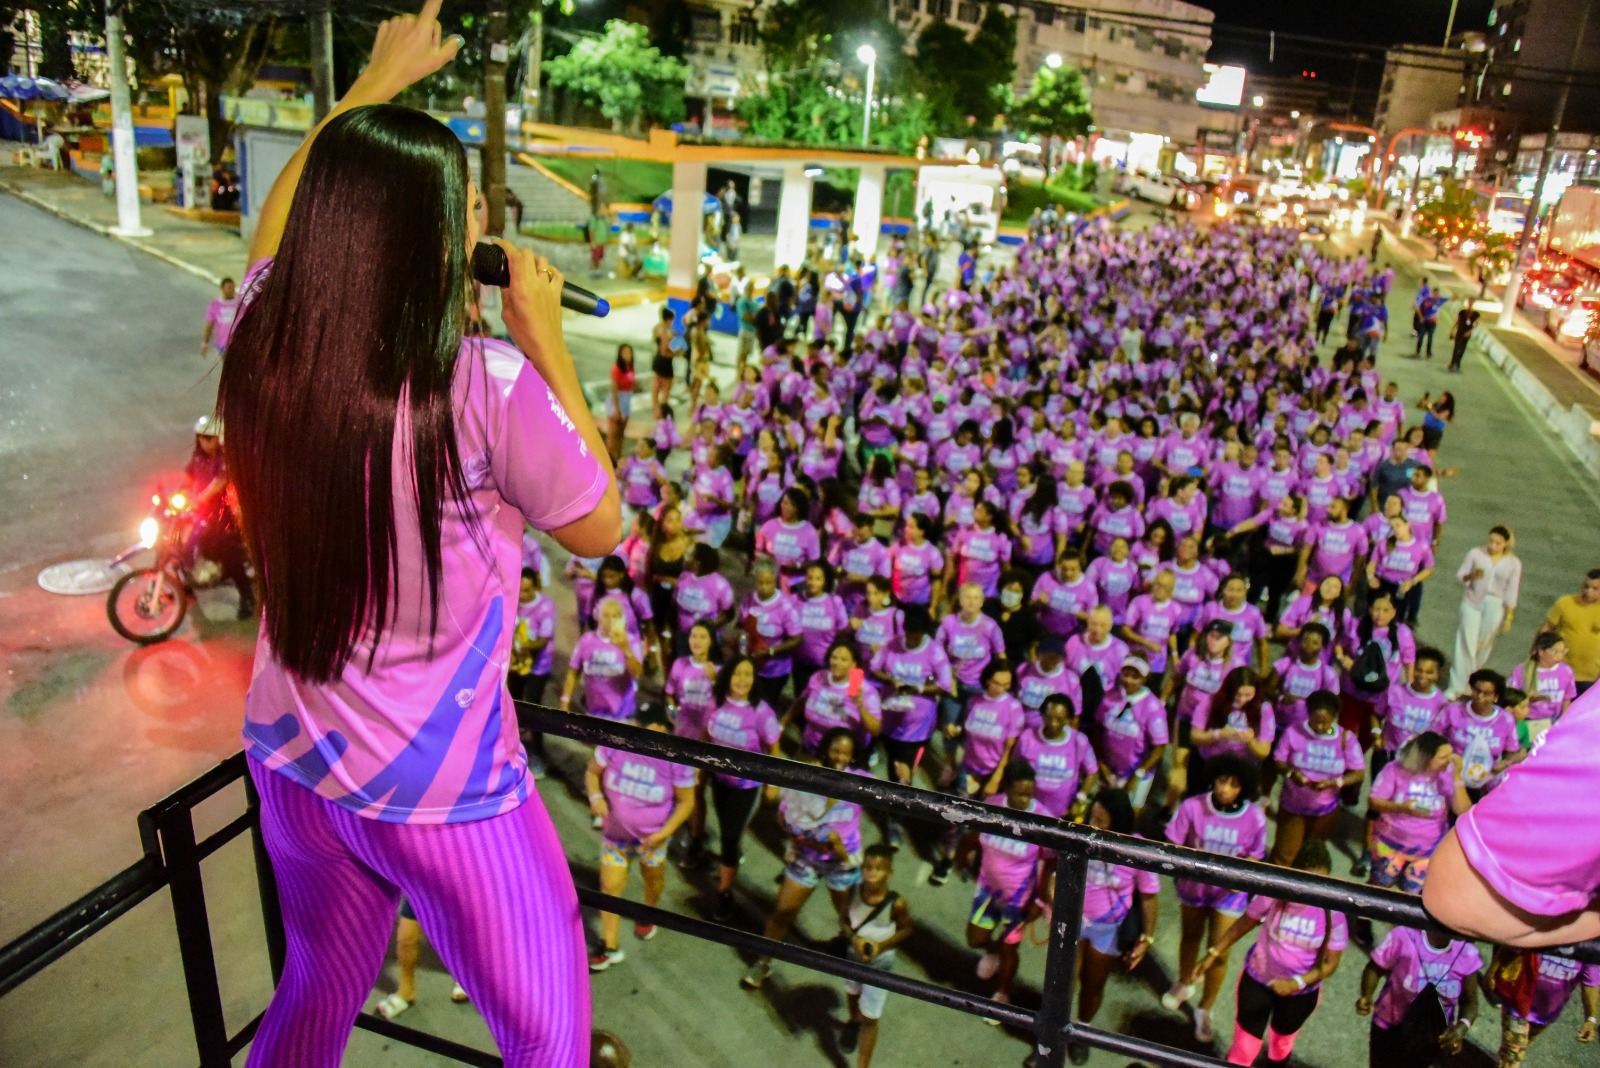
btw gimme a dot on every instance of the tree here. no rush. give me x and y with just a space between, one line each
622 74
967 80
1450 217
1492 254
1056 105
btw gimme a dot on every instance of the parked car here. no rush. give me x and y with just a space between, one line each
1569 323
1545 287
1163 189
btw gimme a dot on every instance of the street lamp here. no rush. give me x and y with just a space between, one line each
868 55
1053 61
1258 101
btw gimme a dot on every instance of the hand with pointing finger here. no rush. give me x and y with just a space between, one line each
408 48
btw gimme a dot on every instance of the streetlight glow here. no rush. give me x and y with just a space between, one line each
868 55
1053 61
1294 114
1258 101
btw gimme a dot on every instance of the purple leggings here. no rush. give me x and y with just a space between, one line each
495 897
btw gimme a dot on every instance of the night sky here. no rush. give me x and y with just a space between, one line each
1240 37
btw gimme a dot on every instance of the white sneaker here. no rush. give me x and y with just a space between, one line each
1202 1025
988 965
1173 1000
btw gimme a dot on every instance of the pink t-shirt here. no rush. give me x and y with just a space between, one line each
1298 681
1059 603
1481 740
970 646
1157 621
537 619
608 690
424 734
991 722
1200 824
1130 727
221 315
828 704
640 792
1430 790
1108 890
701 599
1008 865
1293 937
1265 731
914 569
1414 965
821 620
1407 713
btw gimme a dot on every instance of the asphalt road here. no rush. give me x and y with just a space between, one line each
99 383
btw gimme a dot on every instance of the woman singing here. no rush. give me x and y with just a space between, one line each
385 467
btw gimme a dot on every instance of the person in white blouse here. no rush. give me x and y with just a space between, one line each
1492 576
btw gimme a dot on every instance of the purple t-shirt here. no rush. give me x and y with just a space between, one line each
1320 758
1407 713
537 619
1293 937
1402 563
608 690
1106 659
639 792
1431 790
701 599
1248 626
1156 621
980 554
914 569
1130 727
1008 866
1558 977
422 733
827 704
821 620
1200 824
970 646
1114 583
221 315
877 629
1202 677
775 621
1481 740
1060 767
910 717
791 545
1265 731
1033 686
690 686
1334 548
741 725
1298 681
1108 890
991 722
1059 603
1414 965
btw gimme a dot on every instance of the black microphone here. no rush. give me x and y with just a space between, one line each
490 266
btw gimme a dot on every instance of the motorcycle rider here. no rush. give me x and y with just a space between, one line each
216 529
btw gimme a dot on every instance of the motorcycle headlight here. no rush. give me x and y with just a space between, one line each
179 502
149 530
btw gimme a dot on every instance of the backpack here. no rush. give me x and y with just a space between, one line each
1416 1036
1369 672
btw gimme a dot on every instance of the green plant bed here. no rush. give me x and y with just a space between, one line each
628 181
1024 197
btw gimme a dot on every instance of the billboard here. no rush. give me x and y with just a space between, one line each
1224 86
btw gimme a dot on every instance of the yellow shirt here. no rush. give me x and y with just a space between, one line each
1579 626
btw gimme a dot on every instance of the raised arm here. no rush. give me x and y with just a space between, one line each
407 49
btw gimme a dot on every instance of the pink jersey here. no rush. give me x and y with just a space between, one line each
791 545
1104 659
991 722
742 725
1060 766
979 556
1432 791
1008 866
1034 685
1114 584
1293 937
877 629
221 315
1414 965
1334 548
1407 713
1298 680
1396 562
773 621
1555 685
419 733
970 646
537 619
827 704
1195 585
1131 726
821 620
1320 758
1248 627
641 481
640 792
1202 676
689 686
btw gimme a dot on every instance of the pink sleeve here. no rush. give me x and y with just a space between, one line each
1146 882
683 776
1178 826
1269 723
1387 955
768 727
1383 785
1259 906
1353 760
538 461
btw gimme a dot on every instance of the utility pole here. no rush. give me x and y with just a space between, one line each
493 158
122 146
1508 303
322 61
533 60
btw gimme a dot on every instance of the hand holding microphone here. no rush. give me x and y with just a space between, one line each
492 267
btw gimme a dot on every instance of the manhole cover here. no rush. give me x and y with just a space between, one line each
79 577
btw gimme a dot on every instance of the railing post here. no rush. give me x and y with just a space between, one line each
266 885
1061 962
175 826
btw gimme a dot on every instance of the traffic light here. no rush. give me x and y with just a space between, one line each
1308 74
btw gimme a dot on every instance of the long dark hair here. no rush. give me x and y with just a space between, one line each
1222 700
363 310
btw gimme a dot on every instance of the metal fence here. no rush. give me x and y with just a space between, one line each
173 855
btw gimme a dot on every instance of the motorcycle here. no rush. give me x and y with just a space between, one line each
148 604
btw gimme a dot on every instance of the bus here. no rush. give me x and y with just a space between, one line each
1502 211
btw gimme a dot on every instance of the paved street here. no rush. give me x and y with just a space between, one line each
99 383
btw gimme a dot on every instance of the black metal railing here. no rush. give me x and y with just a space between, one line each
173 855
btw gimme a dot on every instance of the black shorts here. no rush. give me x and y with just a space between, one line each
661 366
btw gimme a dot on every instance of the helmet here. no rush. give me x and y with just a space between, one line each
209 426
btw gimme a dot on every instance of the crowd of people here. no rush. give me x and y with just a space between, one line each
1109 534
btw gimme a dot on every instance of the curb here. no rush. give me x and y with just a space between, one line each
105 231
1573 426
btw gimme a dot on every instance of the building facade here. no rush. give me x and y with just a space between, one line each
1143 61
1530 44
1418 82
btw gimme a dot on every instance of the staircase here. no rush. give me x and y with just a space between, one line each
543 202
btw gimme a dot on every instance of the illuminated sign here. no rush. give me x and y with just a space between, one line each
1224 86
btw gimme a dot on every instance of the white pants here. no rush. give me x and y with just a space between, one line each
1475 635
